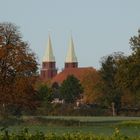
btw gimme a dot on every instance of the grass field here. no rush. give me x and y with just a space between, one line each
129 126
98 130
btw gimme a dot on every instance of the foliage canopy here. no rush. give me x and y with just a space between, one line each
18 69
71 89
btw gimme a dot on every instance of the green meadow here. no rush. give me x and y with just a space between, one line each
129 126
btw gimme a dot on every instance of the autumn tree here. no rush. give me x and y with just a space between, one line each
18 69
71 89
89 83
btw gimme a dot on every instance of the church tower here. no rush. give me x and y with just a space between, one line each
48 70
71 59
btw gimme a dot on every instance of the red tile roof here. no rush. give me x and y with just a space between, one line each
77 72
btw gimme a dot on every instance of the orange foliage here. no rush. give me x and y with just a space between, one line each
89 82
18 68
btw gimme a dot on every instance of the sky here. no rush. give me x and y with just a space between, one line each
98 27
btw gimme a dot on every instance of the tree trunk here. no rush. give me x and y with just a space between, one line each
113 109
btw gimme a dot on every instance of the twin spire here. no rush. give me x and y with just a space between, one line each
49 57
70 58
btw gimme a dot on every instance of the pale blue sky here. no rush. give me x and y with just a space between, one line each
98 27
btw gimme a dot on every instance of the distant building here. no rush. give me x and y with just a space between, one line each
49 71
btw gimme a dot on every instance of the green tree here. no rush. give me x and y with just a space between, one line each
45 93
111 94
18 69
71 89
128 76
135 67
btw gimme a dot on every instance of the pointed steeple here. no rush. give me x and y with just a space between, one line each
49 57
48 70
71 56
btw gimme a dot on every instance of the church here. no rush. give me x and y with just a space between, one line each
49 71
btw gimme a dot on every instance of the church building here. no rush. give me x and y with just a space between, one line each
49 71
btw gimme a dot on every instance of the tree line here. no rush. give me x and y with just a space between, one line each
116 84
120 77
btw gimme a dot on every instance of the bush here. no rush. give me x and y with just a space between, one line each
25 135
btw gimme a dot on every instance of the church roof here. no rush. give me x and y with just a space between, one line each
49 57
77 72
71 56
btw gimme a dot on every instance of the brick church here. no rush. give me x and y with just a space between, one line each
49 70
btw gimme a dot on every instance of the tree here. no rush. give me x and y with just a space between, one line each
56 90
128 77
18 69
71 89
89 83
45 93
111 94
